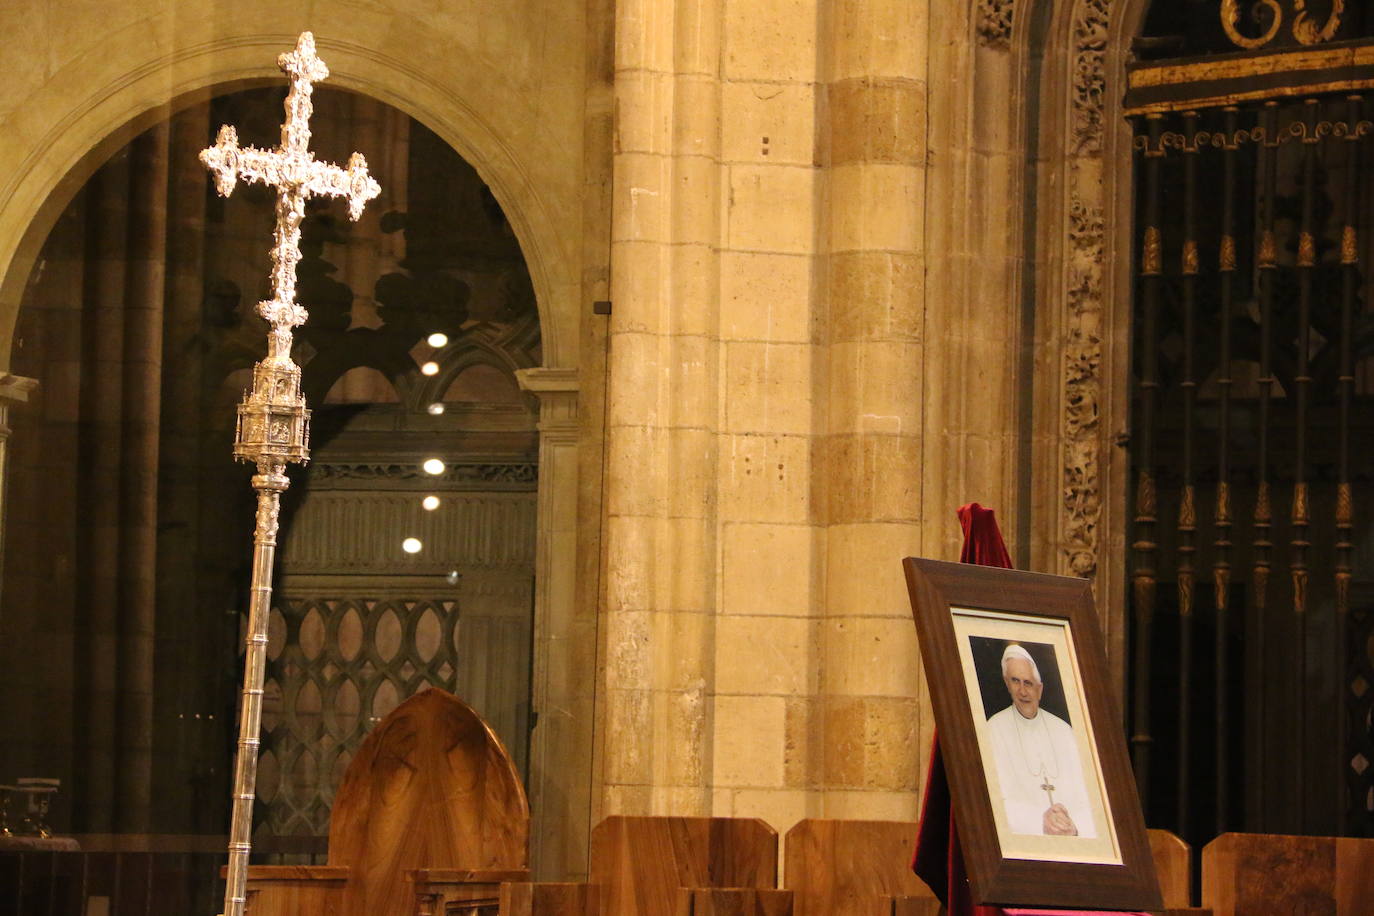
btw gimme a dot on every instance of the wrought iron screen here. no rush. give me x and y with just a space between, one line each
1252 453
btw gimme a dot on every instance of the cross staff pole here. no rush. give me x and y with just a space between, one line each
273 422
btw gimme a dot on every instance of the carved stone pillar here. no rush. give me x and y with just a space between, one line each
564 675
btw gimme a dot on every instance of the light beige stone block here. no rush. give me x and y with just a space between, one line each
628 719
871 478
871 656
877 207
771 208
641 274
696 121
662 381
695 200
864 568
876 120
630 650
773 40
768 388
765 655
680 738
880 38
766 297
768 569
626 799
871 742
876 295
805 743
696 278
871 805
645 98
780 809
749 741
656 471
631 560
697 36
641 199
765 479
875 387
768 122
644 35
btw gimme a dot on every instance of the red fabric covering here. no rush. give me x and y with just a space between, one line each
939 860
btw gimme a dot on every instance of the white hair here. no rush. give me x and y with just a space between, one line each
1013 650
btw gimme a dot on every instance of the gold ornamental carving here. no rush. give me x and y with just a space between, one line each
1301 514
1190 261
1307 250
1268 251
1350 251
1302 26
1227 259
273 422
1223 503
1345 506
1187 509
1150 252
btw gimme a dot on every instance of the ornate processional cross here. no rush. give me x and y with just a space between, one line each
273 422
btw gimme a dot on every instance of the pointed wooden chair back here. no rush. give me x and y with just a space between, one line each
431 787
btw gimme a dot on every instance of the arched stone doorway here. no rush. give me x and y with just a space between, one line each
530 156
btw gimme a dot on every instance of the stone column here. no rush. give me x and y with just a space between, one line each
662 412
564 683
876 454
99 491
140 434
771 549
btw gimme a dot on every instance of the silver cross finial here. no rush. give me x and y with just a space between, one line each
293 170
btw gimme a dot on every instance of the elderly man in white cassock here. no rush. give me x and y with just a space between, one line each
1037 758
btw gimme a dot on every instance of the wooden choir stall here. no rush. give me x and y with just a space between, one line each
430 819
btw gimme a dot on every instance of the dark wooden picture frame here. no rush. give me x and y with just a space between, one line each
938 590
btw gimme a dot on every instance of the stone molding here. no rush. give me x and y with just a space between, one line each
1080 425
994 18
458 473
557 389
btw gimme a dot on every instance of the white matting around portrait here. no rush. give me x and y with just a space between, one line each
1103 848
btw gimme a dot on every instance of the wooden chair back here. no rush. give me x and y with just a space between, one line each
1245 873
431 787
1174 867
851 868
639 863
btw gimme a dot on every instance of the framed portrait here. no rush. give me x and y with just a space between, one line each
1033 746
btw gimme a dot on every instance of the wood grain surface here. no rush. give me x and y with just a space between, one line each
641 862
1257 873
850 868
1174 866
431 811
734 901
548 899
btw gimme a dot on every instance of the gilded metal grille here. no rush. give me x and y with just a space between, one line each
1253 347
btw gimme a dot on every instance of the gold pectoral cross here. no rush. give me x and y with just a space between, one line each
1047 786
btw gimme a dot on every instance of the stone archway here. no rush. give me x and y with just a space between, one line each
486 90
